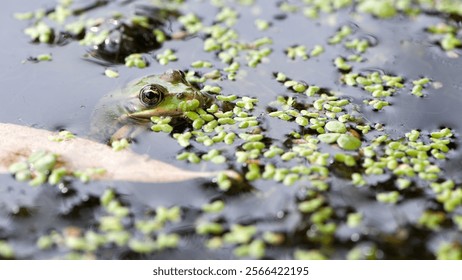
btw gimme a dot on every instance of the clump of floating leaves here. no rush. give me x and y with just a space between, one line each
44 167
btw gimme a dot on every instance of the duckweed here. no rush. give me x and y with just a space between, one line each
273 238
240 234
135 60
40 32
346 159
340 35
111 73
311 205
45 242
377 85
348 142
359 45
341 64
255 249
57 175
223 181
6 251
166 57
162 124
38 169
262 24
214 207
317 50
62 136
119 145
432 220
329 138
110 223
160 35
142 246
357 179
336 127
381 9
209 228
167 241
363 252
112 230
450 199
457 219
44 57
191 22
24 16
449 251
450 42
297 52
86 175
309 255
389 197
354 219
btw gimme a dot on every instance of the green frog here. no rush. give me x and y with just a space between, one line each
118 114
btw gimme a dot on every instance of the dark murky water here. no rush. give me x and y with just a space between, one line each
62 94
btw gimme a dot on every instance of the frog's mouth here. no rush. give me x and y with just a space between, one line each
133 113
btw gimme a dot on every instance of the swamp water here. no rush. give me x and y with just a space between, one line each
348 74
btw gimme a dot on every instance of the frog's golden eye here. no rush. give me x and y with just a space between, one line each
152 94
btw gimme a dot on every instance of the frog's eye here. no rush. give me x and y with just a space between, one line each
152 94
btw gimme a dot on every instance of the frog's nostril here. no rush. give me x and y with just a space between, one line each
180 95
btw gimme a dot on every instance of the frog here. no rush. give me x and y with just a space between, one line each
121 114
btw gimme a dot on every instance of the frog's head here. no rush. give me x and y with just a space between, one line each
159 95
143 98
